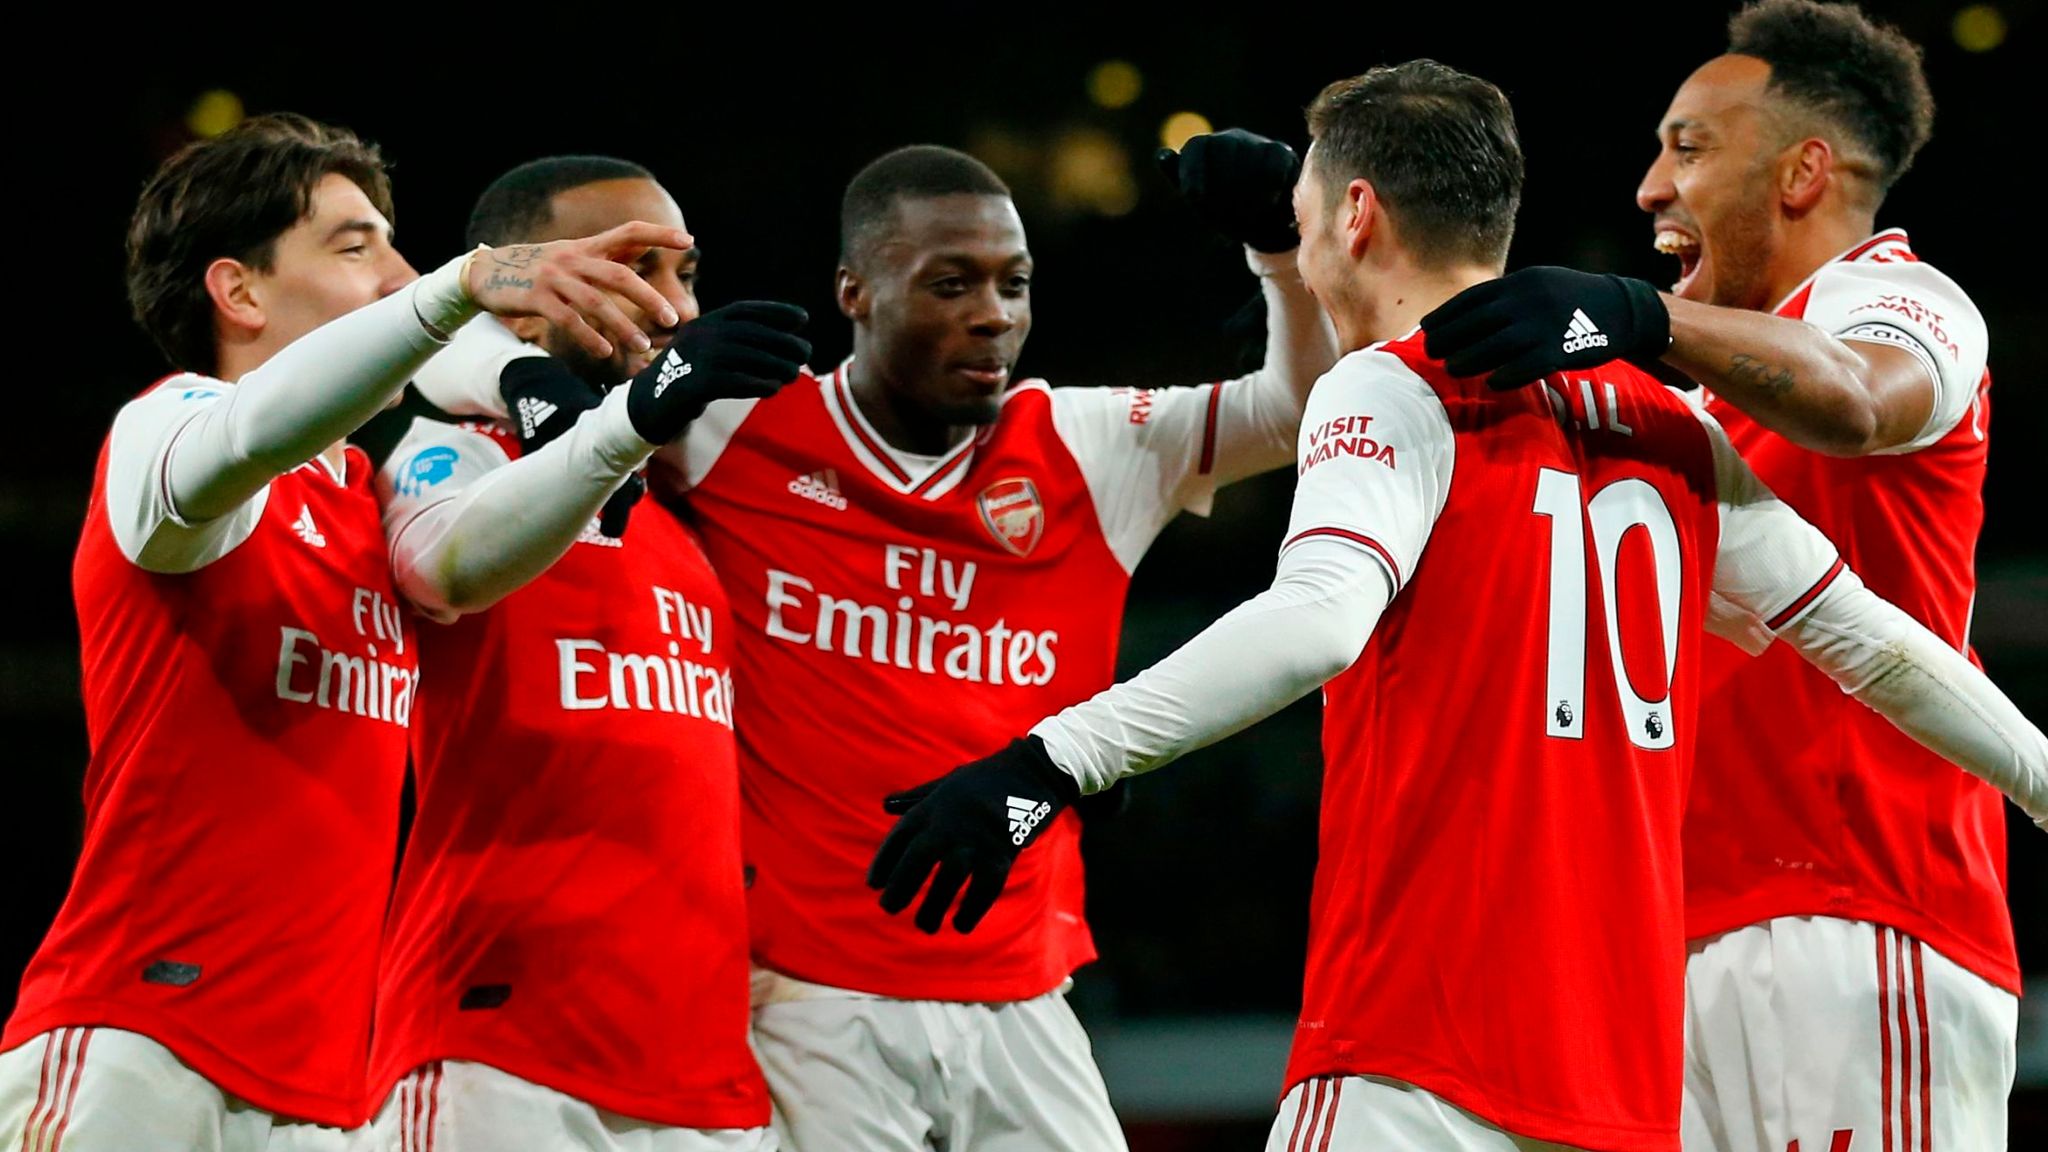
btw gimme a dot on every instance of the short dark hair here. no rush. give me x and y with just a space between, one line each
231 197
517 205
919 171
1440 149
1863 77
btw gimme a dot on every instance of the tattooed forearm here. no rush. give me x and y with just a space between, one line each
1765 379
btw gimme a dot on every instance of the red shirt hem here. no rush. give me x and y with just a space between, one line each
1998 966
231 1076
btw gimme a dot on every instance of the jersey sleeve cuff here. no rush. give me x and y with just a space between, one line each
1380 553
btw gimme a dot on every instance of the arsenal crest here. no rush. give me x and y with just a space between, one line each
1011 512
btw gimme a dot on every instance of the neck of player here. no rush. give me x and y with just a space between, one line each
1391 304
1809 245
899 420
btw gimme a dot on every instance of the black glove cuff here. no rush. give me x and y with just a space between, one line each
1649 319
1032 754
528 374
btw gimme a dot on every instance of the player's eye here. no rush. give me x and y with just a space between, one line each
949 285
1017 285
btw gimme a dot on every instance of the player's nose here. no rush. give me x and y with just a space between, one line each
993 315
395 273
1657 190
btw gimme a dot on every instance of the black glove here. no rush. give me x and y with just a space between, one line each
970 824
1528 324
1242 183
1106 805
750 348
544 399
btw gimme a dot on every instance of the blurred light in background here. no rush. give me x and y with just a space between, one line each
1182 125
214 113
1091 171
1014 157
1979 28
1115 84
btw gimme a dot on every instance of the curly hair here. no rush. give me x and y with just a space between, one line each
1863 77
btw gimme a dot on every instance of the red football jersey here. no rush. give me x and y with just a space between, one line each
1497 913
571 907
247 725
900 615
1808 803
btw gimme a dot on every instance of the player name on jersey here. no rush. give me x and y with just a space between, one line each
922 631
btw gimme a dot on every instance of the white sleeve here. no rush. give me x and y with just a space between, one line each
1375 463
1891 662
1909 305
190 464
463 379
1261 656
689 457
1147 454
1777 577
1770 564
139 509
467 526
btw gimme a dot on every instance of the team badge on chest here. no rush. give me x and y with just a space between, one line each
1013 514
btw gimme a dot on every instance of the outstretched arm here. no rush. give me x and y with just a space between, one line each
1358 525
1776 577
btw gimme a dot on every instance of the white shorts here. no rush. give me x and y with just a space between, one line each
105 1090
1374 1114
1813 1034
460 1106
851 1072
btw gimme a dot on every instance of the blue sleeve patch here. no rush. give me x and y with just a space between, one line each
199 394
428 467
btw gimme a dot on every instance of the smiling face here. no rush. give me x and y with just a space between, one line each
1713 189
943 301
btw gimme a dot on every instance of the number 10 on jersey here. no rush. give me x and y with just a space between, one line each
1614 512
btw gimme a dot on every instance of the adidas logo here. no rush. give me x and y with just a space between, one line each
1025 816
673 368
822 486
533 412
305 528
1581 333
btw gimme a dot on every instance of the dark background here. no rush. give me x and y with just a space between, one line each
1199 895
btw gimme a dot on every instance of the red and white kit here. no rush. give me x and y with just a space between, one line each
566 960
248 678
1809 806
898 612
1511 588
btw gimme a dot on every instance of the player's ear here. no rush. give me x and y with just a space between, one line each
1804 171
1361 215
852 294
236 302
